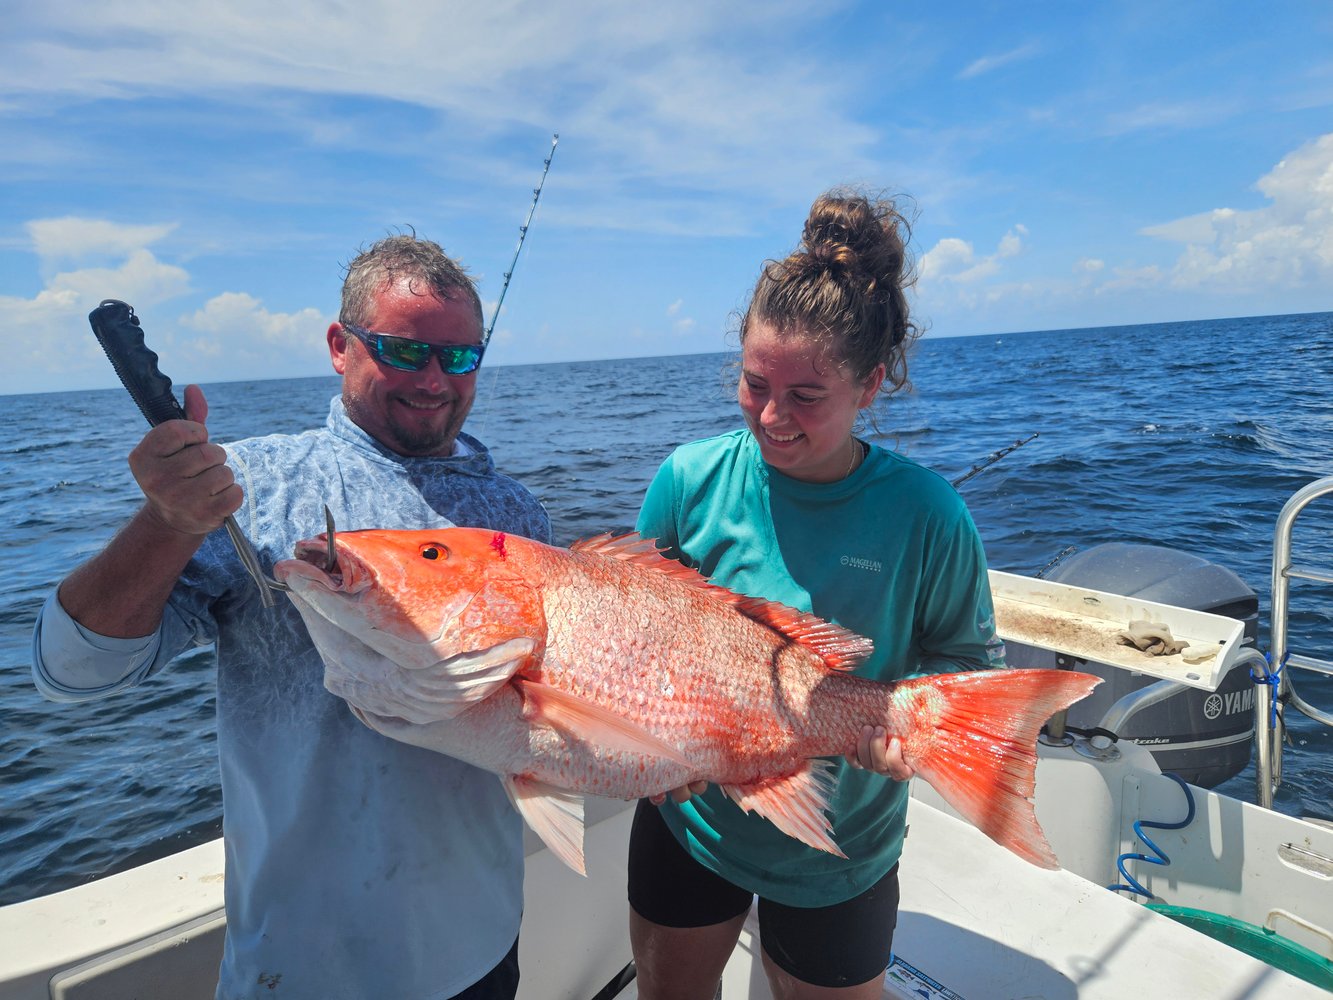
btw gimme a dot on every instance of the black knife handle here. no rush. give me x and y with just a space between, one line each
119 333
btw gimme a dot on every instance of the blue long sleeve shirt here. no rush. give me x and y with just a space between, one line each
357 866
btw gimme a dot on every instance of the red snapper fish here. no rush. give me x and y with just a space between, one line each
607 669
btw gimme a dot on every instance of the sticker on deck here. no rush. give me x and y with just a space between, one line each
905 982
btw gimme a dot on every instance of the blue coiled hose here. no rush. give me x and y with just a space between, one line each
1158 857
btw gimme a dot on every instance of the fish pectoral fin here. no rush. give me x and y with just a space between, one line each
590 723
795 804
451 686
555 815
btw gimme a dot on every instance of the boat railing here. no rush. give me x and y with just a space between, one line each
1275 688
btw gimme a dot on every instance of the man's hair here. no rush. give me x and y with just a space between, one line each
427 269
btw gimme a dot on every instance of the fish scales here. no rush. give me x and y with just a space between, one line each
693 690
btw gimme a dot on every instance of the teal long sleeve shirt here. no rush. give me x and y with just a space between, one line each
891 553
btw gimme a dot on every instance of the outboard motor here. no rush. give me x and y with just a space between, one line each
1205 737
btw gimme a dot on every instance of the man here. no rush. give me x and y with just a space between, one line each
357 866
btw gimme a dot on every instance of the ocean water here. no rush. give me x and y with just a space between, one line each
1190 435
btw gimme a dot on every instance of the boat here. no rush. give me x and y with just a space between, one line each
1167 888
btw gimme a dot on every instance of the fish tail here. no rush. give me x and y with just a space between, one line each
979 747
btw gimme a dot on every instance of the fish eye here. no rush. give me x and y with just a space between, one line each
434 550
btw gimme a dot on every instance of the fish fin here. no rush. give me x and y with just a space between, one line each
795 804
456 684
980 750
590 723
443 690
555 815
628 546
634 548
839 648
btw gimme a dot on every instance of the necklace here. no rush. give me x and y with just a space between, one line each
852 464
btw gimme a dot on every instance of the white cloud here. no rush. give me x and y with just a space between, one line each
680 96
948 256
954 262
1286 244
58 314
1171 116
234 333
75 238
141 279
681 325
70 295
1011 244
988 64
241 319
1131 277
63 304
238 338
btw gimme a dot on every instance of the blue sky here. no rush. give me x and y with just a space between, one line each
1069 164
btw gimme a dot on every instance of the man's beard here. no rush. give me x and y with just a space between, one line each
410 439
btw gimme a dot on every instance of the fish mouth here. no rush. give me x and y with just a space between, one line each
317 560
325 564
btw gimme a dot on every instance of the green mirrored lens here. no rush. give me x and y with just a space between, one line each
459 360
410 355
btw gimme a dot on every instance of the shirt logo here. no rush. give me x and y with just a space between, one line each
856 562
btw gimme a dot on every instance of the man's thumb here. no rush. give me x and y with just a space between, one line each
196 406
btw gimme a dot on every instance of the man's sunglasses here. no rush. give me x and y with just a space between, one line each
413 355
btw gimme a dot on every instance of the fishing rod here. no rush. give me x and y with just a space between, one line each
522 235
991 459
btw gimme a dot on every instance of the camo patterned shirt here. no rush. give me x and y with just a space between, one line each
357 866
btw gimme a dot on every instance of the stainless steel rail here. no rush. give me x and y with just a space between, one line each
1268 704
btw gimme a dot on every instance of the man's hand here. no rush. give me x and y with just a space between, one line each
184 477
876 752
188 492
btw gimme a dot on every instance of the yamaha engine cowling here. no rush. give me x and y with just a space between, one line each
1203 736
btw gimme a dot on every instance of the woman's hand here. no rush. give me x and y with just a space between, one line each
680 794
876 752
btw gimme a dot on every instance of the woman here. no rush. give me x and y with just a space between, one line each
796 509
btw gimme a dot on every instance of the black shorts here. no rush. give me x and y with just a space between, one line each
841 945
501 983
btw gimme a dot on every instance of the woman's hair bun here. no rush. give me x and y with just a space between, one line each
846 282
848 232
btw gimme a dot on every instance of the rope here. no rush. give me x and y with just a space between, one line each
1273 678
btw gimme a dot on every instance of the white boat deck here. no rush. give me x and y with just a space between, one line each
985 924
976 920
